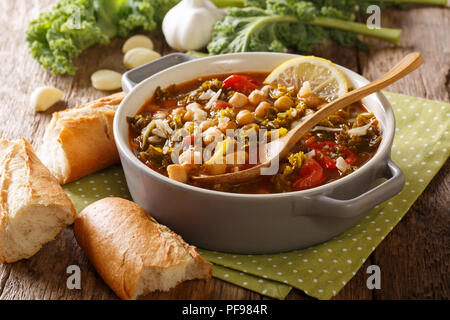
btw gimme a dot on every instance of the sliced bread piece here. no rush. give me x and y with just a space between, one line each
134 254
80 141
33 206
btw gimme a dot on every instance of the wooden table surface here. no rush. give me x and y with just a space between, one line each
414 258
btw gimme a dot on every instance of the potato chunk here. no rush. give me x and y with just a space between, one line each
177 172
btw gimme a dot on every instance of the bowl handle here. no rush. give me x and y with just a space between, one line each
331 207
131 78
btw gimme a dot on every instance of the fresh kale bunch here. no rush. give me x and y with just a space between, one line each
59 36
349 7
360 6
283 24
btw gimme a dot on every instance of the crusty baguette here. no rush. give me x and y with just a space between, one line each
132 252
80 141
33 206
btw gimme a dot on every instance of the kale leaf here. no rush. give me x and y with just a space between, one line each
56 37
284 24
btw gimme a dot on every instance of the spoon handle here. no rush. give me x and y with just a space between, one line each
405 66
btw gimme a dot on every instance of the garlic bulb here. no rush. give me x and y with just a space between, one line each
189 24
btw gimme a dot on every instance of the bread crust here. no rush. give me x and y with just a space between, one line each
121 239
39 189
85 136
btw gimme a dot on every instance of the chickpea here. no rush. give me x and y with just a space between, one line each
207 124
262 109
256 97
313 101
238 100
160 115
190 157
211 134
179 111
188 116
283 103
177 172
194 106
208 139
224 126
245 117
265 90
250 126
154 140
215 168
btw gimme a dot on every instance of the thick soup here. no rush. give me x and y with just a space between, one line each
215 125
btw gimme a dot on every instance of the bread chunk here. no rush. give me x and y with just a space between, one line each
33 206
134 254
80 141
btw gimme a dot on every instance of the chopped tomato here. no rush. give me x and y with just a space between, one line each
325 160
310 175
220 104
324 150
350 156
310 141
241 83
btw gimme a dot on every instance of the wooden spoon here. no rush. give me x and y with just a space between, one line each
278 149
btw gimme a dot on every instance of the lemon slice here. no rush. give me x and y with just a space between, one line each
326 80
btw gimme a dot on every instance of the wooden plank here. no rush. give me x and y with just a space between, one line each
200 290
425 30
23 75
346 57
44 275
414 257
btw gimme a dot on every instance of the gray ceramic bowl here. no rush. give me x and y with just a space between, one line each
244 223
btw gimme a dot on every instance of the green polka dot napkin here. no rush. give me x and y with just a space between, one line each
109 182
420 148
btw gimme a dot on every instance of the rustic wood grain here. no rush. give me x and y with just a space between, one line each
425 30
413 258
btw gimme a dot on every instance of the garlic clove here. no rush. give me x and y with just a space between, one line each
106 80
137 41
139 56
43 98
